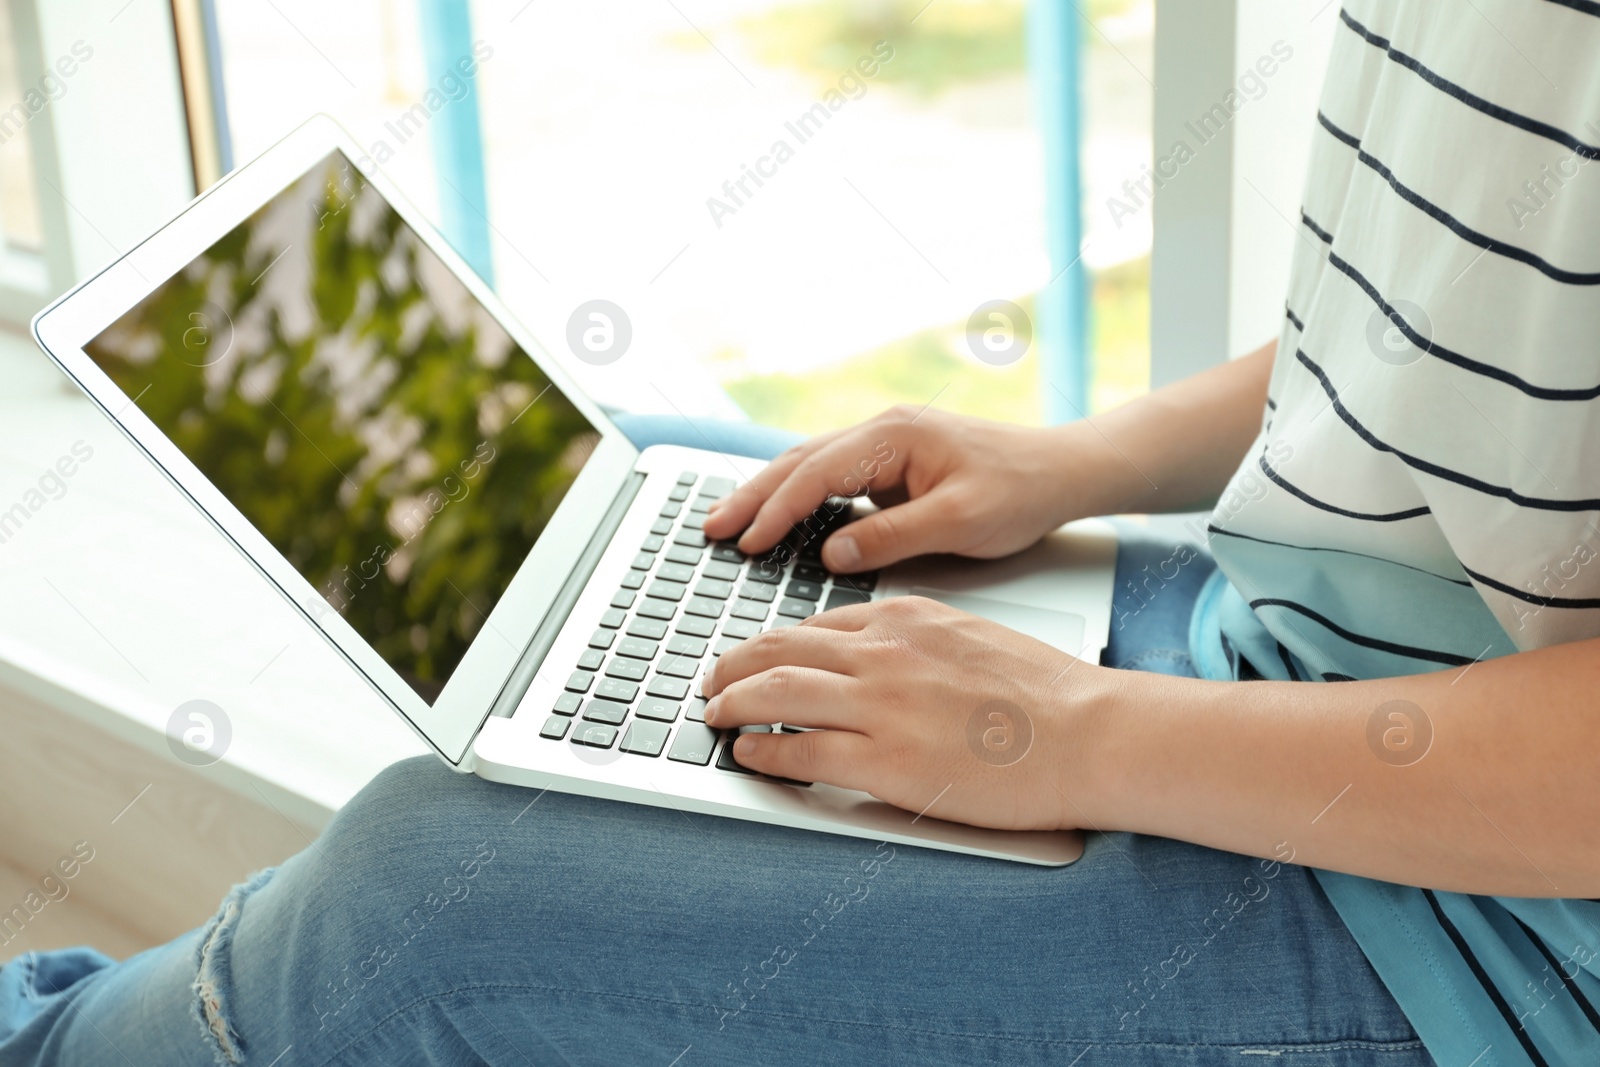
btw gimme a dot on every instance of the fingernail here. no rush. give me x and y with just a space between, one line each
715 504
844 552
713 710
745 746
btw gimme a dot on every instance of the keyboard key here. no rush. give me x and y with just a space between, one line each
693 521
740 628
579 682
750 609
722 571
661 526
804 590
665 590
613 618
718 487
622 599
636 649
676 572
645 738
758 591
725 643
657 609
694 744
601 639
649 629
727 553
726 761
688 478
690 539
714 587
633 579
595 735
653 543
555 728
839 598
796 608
700 605
695 626
678 666
810 572
644 561
864 582
697 710
591 659
631 670
765 569
780 621
617 689
679 493
567 704
687 646
669 688
657 709
669 510
701 504
684 554
605 711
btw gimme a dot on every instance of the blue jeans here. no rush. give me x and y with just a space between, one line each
444 919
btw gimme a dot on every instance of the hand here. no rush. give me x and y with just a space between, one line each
945 483
923 706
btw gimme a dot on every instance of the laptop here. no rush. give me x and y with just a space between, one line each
310 363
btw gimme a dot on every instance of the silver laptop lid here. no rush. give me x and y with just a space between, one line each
319 372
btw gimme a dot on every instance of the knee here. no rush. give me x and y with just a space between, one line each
382 906
411 807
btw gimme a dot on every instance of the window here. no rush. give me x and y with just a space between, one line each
20 224
809 284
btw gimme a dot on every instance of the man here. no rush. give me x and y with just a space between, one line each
1404 507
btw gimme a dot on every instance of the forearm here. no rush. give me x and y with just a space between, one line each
1505 800
1171 450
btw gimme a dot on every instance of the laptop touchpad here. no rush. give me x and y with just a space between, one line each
1059 629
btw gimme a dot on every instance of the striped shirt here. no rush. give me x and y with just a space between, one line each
1424 492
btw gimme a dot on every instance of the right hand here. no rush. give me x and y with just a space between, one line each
943 482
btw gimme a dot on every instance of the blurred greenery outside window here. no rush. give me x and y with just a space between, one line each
950 47
958 80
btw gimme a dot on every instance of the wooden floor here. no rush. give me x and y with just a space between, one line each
166 843
63 923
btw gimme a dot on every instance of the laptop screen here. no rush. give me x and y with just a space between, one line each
342 388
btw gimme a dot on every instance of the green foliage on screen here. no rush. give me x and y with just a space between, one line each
342 389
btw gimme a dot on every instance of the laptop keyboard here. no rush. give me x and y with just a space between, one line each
684 601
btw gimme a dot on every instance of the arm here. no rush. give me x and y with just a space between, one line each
1173 449
905 694
955 484
1505 800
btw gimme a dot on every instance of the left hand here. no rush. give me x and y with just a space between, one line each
923 706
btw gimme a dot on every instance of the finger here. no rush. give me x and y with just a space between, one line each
792 646
851 618
833 756
892 534
803 696
733 512
842 467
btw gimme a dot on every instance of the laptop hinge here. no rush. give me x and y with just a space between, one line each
560 608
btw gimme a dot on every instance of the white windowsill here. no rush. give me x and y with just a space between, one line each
119 602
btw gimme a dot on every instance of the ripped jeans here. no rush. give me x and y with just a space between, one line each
444 919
